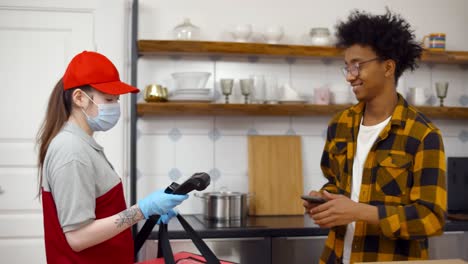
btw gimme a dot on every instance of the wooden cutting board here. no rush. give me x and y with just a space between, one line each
275 175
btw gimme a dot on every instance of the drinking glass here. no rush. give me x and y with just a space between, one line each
258 93
226 88
272 90
246 88
441 90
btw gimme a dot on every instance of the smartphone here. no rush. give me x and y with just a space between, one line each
313 199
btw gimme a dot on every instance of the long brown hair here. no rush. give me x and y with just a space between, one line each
58 112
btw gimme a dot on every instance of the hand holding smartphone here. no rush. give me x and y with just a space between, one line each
313 199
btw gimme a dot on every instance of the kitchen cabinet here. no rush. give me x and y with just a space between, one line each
450 245
307 249
284 239
297 249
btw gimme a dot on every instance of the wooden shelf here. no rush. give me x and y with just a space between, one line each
210 48
207 48
208 109
447 112
169 47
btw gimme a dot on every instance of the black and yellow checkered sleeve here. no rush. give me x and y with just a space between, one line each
425 215
326 160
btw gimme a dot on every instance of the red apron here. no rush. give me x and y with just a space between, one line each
118 249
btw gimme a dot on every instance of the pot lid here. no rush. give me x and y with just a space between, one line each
223 194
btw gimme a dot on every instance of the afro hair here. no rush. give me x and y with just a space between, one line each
389 35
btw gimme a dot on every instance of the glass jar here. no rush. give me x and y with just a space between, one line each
186 31
320 37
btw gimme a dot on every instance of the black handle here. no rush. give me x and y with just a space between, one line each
164 247
198 181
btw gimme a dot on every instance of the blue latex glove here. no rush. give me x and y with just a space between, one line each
167 217
159 203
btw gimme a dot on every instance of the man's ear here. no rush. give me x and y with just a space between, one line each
389 66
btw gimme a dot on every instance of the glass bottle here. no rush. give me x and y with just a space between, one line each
186 31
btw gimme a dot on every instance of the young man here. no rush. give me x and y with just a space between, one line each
383 159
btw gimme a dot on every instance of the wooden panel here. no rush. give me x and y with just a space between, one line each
275 175
237 109
191 109
444 112
447 57
172 47
148 47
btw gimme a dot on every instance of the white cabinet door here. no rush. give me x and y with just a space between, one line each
37 40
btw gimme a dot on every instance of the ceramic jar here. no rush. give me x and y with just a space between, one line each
320 37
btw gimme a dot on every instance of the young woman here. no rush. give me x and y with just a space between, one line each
85 215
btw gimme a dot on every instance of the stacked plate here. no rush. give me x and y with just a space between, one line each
191 95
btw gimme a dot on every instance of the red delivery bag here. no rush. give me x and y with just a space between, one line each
165 255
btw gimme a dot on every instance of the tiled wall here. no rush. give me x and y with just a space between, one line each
172 148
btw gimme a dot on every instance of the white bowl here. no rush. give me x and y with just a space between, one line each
191 80
273 34
241 33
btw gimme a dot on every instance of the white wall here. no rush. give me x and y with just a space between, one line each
158 17
172 148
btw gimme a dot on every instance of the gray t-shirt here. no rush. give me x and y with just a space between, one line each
76 172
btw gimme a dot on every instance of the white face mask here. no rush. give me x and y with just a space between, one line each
108 115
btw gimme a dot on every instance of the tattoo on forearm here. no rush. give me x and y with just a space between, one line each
128 217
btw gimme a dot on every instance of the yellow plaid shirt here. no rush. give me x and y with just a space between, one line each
403 176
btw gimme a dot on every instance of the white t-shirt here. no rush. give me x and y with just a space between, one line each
366 138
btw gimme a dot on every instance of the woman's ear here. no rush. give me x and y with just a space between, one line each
79 99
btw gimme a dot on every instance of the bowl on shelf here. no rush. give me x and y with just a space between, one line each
273 34
155 93
241 33
190 80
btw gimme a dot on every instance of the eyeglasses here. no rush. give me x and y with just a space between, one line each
354 69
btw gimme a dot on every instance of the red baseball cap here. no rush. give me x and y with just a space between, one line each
94 69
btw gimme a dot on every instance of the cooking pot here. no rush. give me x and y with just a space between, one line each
224 206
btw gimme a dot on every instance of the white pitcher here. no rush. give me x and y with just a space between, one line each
417 96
